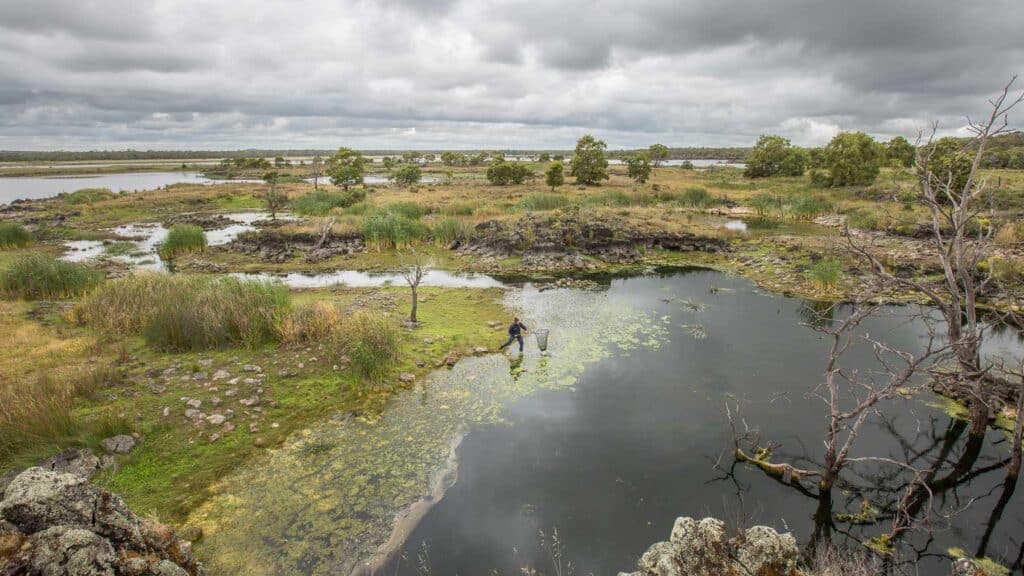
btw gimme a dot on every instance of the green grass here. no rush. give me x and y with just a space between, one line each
698 198
372 342
451 229
182 239
88 196
801 206
13 235
322 202
410 210
43 277
458 209
826 273
543 202
187 312
862 219
386 229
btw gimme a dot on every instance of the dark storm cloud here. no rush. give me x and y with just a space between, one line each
492 73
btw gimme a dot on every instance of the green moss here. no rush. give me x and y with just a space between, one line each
988 566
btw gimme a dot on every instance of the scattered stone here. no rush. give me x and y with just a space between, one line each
216 419
157 388
194 403
480 350
206 362
120 444
284 373
200 376
252 368
166 412
214 437
193 414
250 401
407 377
231 393
221 374
215 401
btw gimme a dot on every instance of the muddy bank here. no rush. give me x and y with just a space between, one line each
271 245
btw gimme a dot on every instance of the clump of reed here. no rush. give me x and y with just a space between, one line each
543 202
322 202
385 229
13 235
826 273
87 196
451 230
187 312
43 277
182 239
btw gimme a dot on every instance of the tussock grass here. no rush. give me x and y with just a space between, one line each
386 229
312 322
698 198
794 206
410 210
37 417
372 340
458 209
451 229
826 273
13 235
543 202
862 219
88 196
43 277
182 239
322 202
187 312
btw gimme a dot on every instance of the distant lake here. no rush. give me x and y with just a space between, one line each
33 187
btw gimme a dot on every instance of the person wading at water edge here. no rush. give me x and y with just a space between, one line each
515 332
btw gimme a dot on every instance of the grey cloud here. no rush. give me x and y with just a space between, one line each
491 73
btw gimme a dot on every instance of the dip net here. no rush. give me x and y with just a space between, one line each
542 339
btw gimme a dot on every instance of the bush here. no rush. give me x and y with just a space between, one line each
775 156
386 229
372 343
410 210
42 277
826 273
450 230
321 202
698 198
182 239
502 173
187 312
312 322
88 196
13 235
862 219
540 202
407 175
1007 271
1010 233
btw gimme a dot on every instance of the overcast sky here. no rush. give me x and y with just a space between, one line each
176 74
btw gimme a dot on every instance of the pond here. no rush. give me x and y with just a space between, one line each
606 439
359 279
34 187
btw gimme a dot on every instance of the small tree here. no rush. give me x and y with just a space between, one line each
775 156
658 153
639 167
407 175
273 199
317 165
346 168
588 164
413 275
853 158
949 159
555 175
449 158
544 157
899 152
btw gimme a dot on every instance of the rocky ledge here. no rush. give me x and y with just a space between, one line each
278 247
567 241
700 548
56 524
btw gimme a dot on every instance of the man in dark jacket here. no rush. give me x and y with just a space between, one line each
515 332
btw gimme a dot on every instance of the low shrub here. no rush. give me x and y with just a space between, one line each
321 202
1007 271
187 312
13 235
372 343
410 210
450 230
543 202
42 277
385 229
698 198
1010 233
88 196
826 273
862 219
312 322
182 239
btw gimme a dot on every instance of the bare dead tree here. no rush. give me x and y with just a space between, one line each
317 164
960 244
325 232
413 275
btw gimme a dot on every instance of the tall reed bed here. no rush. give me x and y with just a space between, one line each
182 239
187 312
43 277
13 235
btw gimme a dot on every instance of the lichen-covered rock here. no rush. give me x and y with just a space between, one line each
78 461
63 551
54 523
38 499
120 444
700 548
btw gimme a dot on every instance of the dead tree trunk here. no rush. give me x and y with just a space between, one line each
413 275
